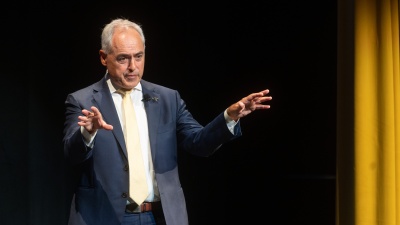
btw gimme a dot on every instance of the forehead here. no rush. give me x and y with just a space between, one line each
127 40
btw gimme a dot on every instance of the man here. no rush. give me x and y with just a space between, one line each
94 137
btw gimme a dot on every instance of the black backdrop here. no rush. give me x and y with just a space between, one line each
214 54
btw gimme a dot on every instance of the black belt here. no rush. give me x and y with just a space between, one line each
144 207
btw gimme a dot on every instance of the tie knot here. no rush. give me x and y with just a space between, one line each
124 92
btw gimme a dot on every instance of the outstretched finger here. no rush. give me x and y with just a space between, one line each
263 99
107 126
259 94
266 91
86 112
95 111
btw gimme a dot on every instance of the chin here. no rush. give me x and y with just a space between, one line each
132 83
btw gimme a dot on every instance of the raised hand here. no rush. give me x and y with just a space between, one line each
93 120
248 104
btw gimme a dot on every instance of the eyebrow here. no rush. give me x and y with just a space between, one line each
126 54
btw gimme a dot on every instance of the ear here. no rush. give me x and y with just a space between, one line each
103 57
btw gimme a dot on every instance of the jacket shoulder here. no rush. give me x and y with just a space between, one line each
157 88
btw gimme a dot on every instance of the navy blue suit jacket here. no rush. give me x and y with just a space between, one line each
101 193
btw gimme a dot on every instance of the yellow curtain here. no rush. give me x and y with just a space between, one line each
373 196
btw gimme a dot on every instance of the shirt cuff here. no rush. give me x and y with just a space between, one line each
230 122
87 137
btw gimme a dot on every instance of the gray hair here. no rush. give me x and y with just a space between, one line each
109 29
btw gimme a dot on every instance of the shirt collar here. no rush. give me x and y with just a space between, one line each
113 89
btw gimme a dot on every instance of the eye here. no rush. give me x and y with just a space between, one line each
123 59
138 57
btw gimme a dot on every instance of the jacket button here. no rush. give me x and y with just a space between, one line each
124 195
126 168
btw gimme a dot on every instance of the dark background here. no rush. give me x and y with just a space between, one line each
280 172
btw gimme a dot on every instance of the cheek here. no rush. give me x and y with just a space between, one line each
116 67
140 66
116 71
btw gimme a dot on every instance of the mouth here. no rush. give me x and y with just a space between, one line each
131 76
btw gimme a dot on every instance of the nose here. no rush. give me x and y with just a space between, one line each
132 64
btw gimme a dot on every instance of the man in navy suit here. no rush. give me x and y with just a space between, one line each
94 137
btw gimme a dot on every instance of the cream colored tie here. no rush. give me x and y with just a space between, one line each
138 189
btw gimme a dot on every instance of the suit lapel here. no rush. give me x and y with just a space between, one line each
105 103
